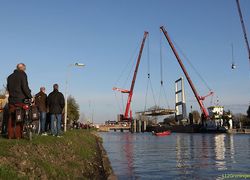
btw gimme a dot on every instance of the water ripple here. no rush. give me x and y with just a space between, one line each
179 156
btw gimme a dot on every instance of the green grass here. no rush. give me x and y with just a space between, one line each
9 174
55 158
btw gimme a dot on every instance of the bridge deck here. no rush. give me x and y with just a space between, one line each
114 127
157 112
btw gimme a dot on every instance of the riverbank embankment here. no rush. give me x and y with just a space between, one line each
78 154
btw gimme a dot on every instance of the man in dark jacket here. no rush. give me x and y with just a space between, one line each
41 103
18 88
17 85
56 104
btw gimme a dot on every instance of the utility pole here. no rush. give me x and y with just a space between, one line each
66 92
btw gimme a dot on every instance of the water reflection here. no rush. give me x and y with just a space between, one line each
232 151
220 151
204 151
179 156
127 149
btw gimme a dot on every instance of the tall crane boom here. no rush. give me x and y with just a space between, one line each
243 28
130 95
198 98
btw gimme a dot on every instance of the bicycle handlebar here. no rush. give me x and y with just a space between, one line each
27 101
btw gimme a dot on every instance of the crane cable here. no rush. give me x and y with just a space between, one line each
129 75
131 61
117 101
121 105
232 46
192 66
161 67
162 88
233 65
149 82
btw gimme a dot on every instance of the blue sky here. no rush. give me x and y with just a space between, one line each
49 35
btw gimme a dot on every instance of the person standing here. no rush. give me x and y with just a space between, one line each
56 105
5 119
18 88
4 114
41 103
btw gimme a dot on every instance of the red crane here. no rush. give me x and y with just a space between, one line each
199 99
130 92
243 28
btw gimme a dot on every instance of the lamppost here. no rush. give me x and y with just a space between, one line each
66 93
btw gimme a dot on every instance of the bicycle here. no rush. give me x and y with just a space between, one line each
29 115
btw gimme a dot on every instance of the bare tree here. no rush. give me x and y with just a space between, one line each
248 112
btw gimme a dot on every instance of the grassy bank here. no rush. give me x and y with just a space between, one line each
75 155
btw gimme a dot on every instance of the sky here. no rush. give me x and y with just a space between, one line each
48 36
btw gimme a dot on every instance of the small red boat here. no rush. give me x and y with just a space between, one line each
164 133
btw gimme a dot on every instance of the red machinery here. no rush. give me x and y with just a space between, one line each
243 28
130 92
199 99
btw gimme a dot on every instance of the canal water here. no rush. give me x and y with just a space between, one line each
178 156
